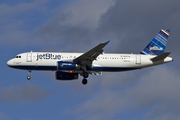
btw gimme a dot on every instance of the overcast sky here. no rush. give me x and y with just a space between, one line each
77 26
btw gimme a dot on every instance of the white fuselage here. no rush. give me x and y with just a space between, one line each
104 62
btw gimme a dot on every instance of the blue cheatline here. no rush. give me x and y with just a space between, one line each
158 44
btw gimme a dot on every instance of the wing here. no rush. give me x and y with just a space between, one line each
87 58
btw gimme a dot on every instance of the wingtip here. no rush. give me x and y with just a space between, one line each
107 42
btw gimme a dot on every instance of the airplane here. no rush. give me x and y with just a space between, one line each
68 66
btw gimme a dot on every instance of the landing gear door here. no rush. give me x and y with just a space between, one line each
29 57
138 59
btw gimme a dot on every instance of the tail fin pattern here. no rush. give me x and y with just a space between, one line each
158 45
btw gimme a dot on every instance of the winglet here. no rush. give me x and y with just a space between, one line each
107 42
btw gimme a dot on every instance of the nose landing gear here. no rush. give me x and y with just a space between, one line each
29 76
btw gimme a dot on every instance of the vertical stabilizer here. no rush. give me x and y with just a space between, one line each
158 44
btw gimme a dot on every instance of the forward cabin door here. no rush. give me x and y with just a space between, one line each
138 59
29 57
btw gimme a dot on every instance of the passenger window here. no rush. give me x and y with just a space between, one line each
19 56
16 57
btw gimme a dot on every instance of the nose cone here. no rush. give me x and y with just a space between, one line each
10 63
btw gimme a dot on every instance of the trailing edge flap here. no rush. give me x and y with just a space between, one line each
160 57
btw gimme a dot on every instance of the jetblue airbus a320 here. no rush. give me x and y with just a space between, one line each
69 65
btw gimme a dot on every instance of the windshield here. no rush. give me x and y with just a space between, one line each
17 57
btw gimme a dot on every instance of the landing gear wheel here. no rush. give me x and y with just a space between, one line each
85 75
28 77
84 81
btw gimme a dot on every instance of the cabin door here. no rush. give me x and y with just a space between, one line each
29 57
138 59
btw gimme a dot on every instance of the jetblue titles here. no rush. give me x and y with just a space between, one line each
48 56
155 48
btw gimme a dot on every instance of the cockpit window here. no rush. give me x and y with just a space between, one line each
17 56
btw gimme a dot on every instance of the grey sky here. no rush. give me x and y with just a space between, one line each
26 93
125 23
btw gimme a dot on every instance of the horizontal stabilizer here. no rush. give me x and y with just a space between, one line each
160 57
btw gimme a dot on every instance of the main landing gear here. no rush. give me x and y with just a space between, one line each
85 75
29 76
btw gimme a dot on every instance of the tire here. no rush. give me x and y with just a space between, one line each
85 75
84 81
28 77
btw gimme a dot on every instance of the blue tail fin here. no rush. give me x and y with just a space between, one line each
158 45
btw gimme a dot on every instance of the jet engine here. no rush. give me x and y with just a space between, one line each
63 65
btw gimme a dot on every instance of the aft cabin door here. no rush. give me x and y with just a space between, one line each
138 59
29 57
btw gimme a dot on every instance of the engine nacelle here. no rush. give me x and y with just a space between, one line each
63 65
66 76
